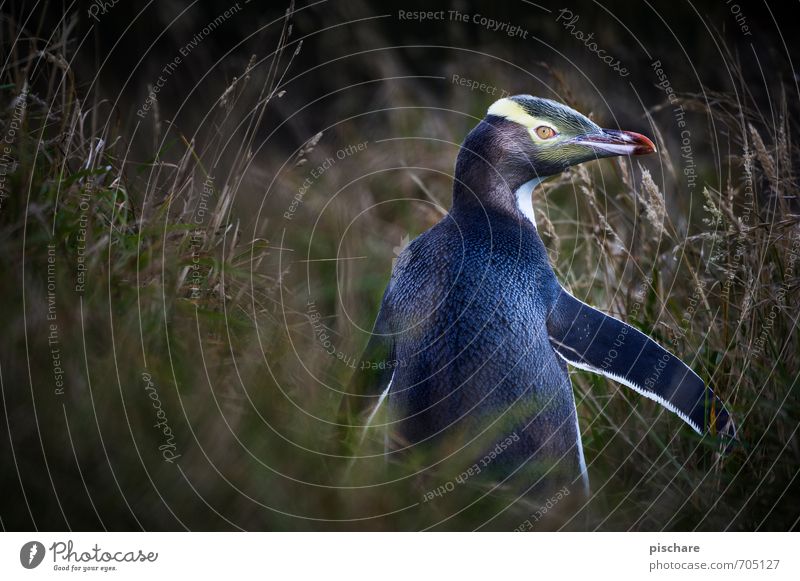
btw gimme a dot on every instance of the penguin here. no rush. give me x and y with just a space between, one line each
475 334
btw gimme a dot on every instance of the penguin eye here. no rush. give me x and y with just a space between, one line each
545 132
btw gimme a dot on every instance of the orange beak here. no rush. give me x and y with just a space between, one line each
614 142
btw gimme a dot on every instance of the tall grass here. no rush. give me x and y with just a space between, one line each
225 312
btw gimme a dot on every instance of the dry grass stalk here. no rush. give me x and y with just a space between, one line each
653 201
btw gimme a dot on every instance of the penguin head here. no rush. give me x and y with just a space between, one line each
539 138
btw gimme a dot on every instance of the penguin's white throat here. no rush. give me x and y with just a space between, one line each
524 195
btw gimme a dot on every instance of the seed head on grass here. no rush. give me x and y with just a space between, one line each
653 201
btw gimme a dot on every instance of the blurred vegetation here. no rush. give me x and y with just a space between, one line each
222 257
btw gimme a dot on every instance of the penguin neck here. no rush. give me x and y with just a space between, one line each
493 178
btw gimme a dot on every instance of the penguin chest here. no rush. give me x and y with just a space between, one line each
480 348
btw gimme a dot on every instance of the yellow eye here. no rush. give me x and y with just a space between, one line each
545 132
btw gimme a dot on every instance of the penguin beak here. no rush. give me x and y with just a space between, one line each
614 142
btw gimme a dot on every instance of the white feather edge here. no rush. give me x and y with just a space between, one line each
581 457
377 407
638 389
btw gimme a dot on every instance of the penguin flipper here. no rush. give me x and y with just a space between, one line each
596 342
369 383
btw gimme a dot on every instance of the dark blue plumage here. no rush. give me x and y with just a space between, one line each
478 329
466 305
